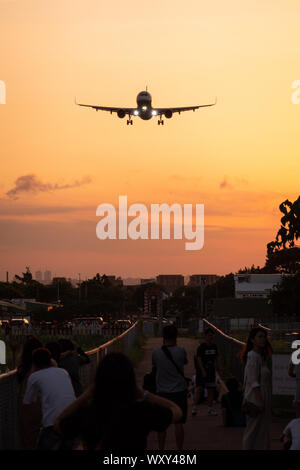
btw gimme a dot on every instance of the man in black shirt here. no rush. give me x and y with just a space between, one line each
207 363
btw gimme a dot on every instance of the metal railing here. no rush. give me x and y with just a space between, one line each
9 387
122 343
229 349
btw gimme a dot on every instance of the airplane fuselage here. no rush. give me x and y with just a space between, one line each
144 106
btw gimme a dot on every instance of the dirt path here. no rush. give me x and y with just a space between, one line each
202 432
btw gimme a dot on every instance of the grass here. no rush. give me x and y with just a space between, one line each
136 353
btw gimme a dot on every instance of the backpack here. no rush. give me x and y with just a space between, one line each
150 381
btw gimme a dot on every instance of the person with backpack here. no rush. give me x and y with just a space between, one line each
171 383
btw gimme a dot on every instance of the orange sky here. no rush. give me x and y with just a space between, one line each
240 158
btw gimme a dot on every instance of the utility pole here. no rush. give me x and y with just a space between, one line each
202 287
79 288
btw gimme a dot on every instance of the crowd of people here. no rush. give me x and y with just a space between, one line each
115 413
248 406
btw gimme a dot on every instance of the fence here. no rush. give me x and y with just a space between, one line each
9 411
9 388
229 349
90 330
122 343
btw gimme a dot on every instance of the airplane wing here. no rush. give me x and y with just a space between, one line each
181 109
128 111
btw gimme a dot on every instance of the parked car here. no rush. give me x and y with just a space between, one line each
19 322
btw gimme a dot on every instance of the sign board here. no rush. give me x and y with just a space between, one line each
2 352
282 383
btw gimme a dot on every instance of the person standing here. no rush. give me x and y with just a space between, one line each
208 364
291 435
113 414
53 387
72 357
257 390
171 384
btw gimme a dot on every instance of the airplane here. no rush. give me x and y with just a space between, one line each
144 109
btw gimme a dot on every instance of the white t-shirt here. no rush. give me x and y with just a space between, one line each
168 379
293 428
54 388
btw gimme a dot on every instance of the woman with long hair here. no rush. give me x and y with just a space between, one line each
25 363
114 413
257 390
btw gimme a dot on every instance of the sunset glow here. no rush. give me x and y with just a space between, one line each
239 158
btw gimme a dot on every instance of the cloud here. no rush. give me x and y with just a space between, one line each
224 184
31 184
12 209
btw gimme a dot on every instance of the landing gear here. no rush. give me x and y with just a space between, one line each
129 121
160 121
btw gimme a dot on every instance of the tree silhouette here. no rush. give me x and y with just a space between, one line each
250 270
289 231
27 276
281 258
285 297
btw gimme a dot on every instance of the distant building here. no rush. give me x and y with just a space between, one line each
147 281
39 276
255 285
57 280
8 309
153 297
47 276
74 282
197 279
170 282
131 281
247 307
115 281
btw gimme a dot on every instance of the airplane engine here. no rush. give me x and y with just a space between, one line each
121 113
168 114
